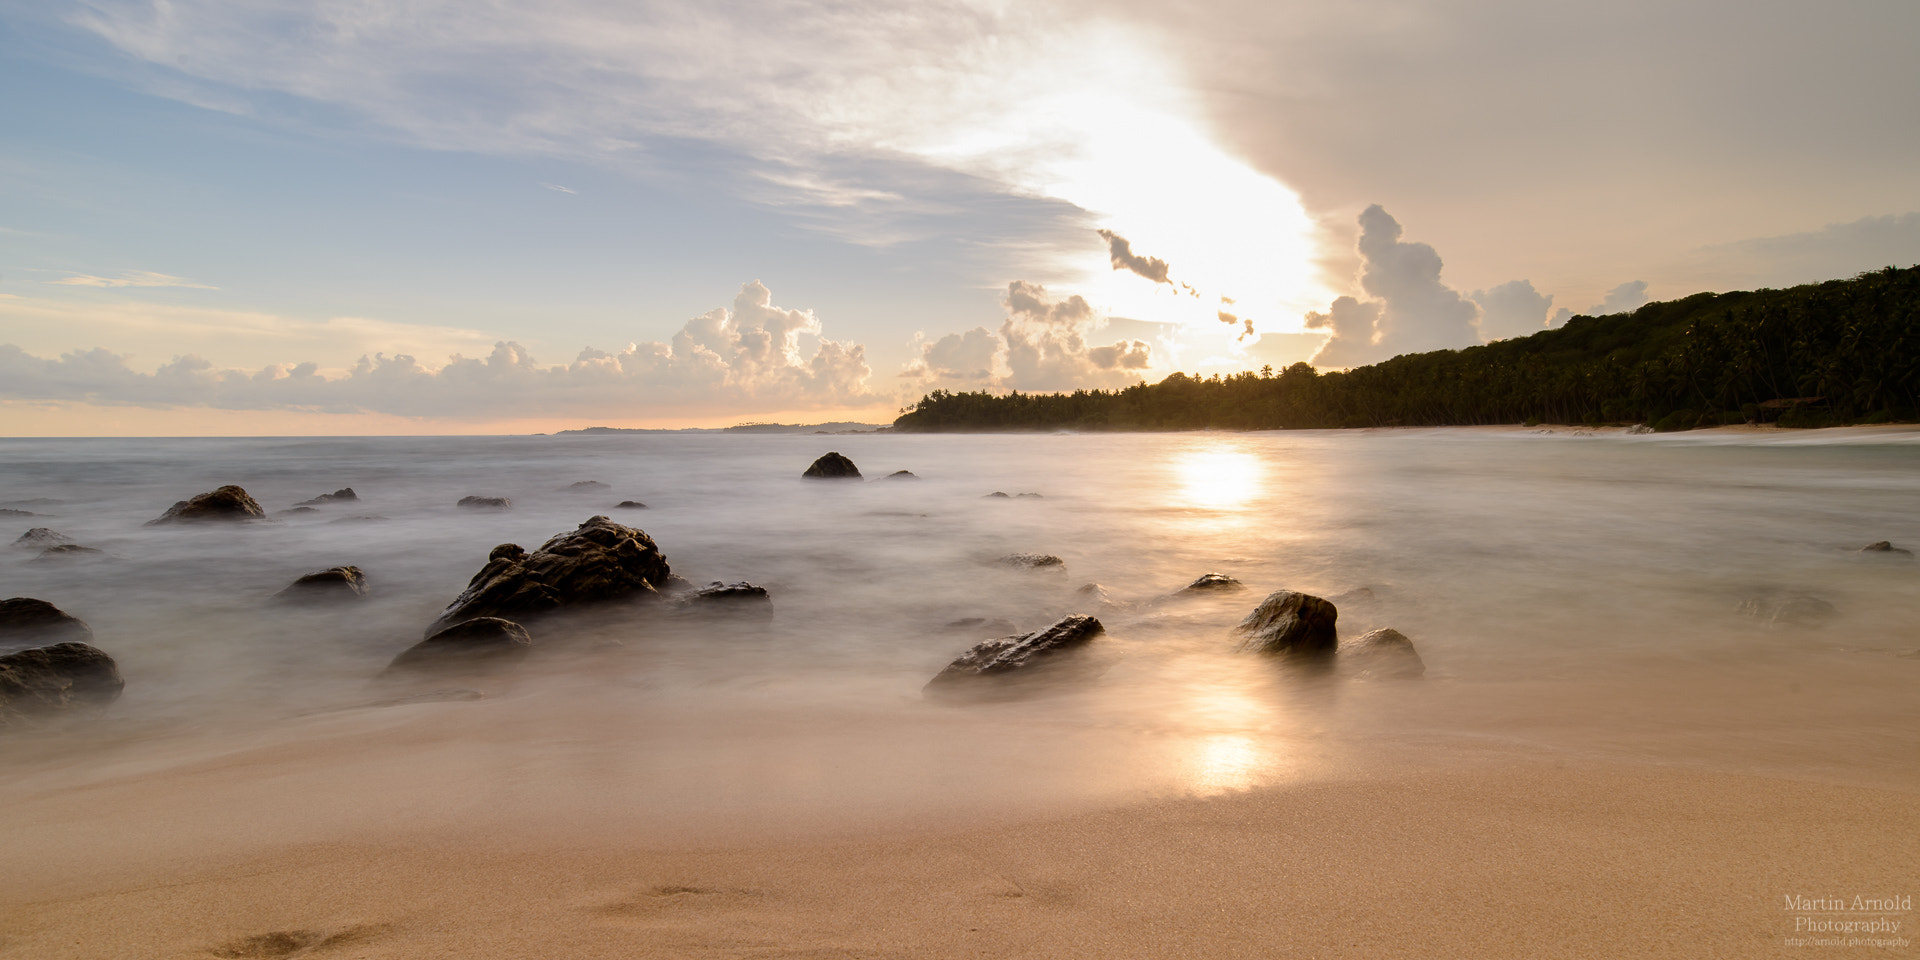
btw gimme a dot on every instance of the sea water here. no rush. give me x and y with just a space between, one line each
1568 590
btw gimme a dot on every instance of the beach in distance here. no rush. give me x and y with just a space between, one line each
1665 707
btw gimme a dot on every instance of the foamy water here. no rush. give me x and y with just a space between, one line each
1568 591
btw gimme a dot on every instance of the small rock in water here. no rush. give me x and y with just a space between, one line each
1886 549
1382 654
1033 561
741 598
585 486
1213 583
485 503
1000 494
26 622
336 583
1026 496
902 475
69 551
833 466
344 493
1290 624
40 538
630 505
483 643
986 668
228 503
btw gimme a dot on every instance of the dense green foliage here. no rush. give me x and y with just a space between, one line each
1837 352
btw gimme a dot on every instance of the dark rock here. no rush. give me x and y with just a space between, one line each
1290 624
1026 496
229 503
599 561
630 505
1788 609
295 511
485 503
902 475
40 538
344 493
585 486
999 494
1016 657
1033 561
997 626
740 598
68 551
833 467
1382 654
1212 583
9 512
335 583
1885 549
60 678
482 643
26 622
1002 495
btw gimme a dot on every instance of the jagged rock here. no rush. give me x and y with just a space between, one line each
585 486
1885 549
1290 624
1382 654
902 475
833 467
332 584
630 505
59 678
601 560
482 643
1010 658
1787 609
1032 561
68 551
228 503
740 598
40 538
344 493
26 622
485 503
997 626
1212 583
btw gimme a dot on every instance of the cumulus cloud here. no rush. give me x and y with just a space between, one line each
750 356
1411 311
1120 252
958 359
1625 298
1041 345
132 278
1512 309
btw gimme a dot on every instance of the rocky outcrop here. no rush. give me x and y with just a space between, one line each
600 561
1886 549
1384 654
26 622
483 643
40 538
327 586
229 503
630 505
1290 624
833 467
344 493
1212 583
990 665
484 503
57 679
1032 561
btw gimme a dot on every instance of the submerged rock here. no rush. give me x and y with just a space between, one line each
833 466
1290 624
630 505
1032 561
902 475
26 622
741 598
1003 495
1211 583
1382 654
585 486
600 560
990 663
483 643
69 551
332 584
40 538
485 503
228 503
60 678
1788 609
1886 549
10 512
295 511
344 493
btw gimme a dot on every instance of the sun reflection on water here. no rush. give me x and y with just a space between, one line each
1219 478
1230 750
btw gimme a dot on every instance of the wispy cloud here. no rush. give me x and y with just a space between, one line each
556 188
133 278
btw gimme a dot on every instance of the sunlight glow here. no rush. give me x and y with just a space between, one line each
1221 479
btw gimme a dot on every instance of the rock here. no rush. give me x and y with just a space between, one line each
997 626
229 503
295 511
599 561
40 538
68 551
1095 593
1290 624
1885 549
1212 583
333 584
344 493
1033 561
60 678
10 512
26 622
902 475
1788 609
998 494
732 598
585 486
1026 496
485 503
833 467
482 643
630 505
1016 657
1382 654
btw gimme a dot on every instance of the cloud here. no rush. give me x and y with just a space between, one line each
749 357
1511 309
1411 311
133 278
961 359
1041 345
1835 251
1625 298
556 188
1121 253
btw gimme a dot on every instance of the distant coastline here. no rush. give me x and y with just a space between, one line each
832 427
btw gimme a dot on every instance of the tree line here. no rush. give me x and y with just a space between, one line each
1843 351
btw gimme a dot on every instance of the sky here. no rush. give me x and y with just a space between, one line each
295 217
